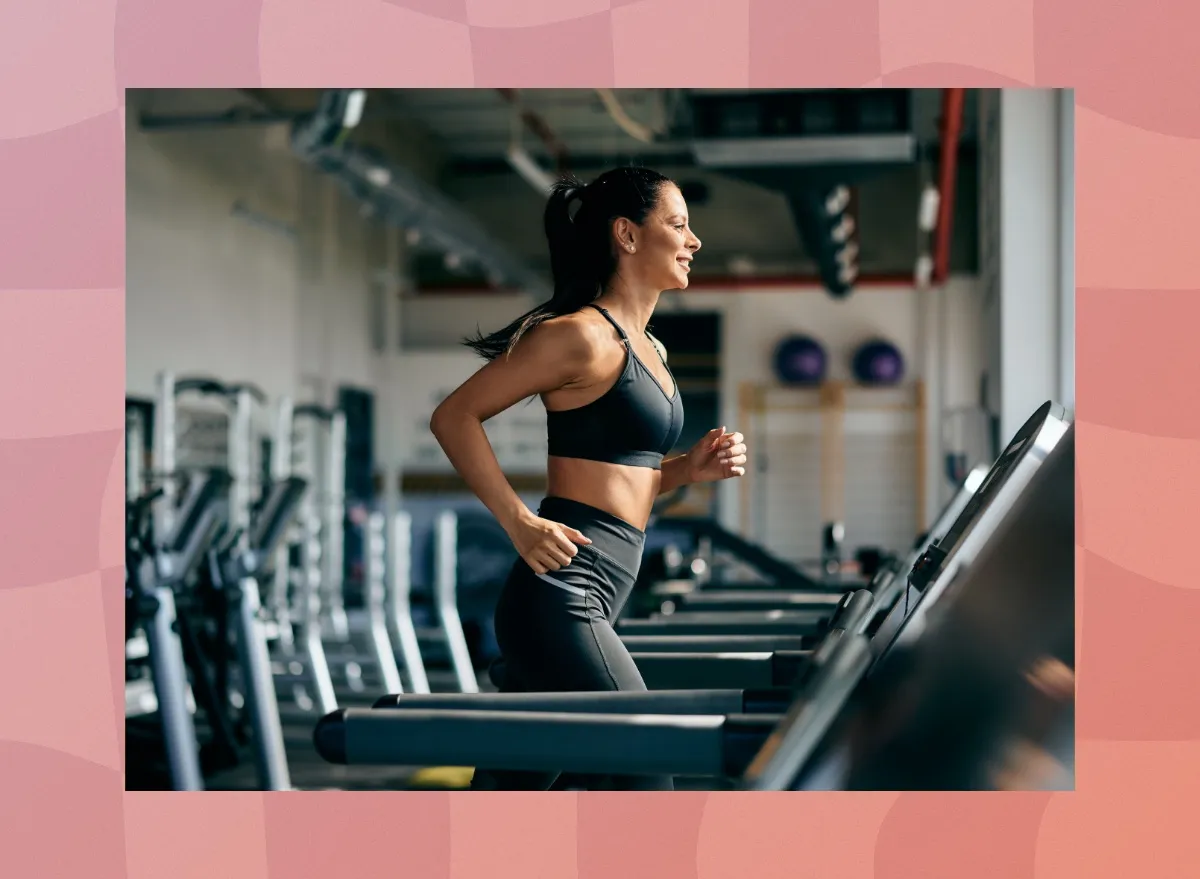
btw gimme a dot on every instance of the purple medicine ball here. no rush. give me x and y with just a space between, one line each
800 360
878 362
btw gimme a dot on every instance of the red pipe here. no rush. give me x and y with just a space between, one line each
730 284
952 117
541 128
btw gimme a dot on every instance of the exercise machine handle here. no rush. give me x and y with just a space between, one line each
200 385
255 391
313 410
213 387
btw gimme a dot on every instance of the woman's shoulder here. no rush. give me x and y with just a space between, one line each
583 334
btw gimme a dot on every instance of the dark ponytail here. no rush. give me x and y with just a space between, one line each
581 254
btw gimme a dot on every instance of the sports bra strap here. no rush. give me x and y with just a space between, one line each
608 317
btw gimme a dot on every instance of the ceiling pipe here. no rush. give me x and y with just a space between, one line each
536 124
523 163
624 121
952 118
400 196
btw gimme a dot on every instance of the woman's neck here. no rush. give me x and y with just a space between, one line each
632 306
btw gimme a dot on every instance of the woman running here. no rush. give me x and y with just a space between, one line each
613 414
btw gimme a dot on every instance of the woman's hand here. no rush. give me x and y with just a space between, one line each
544 545
719 455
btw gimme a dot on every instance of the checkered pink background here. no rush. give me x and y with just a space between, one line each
63 66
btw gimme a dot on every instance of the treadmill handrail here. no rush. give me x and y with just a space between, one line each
213 487
688 702
646 743
269 524
801 731
196 527
525 740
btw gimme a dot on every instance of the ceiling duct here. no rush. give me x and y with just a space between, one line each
802 128
400 196
811 146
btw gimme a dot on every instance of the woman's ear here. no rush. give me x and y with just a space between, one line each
623 234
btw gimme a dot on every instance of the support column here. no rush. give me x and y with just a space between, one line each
390 282
1066 244
1030 244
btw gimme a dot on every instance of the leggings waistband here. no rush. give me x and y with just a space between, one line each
610 535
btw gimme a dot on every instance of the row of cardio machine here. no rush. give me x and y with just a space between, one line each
236 624
928 679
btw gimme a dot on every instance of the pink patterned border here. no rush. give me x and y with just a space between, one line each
65 65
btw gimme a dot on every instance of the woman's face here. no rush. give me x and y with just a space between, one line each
659 252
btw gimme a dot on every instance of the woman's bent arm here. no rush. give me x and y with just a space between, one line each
462 437
675 473
555 354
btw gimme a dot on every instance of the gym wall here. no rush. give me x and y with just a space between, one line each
274 290
940 334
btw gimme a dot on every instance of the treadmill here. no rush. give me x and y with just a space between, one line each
679 662
577 733
1049 420
949 693
887 584
798 618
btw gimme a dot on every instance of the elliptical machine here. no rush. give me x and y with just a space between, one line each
224 620
156 572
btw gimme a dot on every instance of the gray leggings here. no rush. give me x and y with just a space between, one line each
555 632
